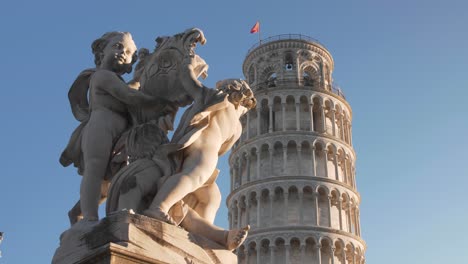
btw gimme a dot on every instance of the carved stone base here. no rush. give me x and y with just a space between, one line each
127 238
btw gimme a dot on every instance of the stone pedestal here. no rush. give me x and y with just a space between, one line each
127 238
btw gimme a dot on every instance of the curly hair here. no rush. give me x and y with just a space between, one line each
239 92
99 44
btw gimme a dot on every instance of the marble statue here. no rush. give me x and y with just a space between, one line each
103 119
173 181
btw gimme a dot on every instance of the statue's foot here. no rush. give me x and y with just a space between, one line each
74 217
236 237
160 215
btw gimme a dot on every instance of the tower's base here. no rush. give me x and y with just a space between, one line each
126 238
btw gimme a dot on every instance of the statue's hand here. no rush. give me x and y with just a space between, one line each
166 123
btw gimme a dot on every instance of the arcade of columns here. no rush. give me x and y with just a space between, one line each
292 171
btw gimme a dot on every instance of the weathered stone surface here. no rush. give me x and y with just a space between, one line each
129 238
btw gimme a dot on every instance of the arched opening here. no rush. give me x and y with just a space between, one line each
265 166
277 114
323 208
305 163
252 253
264 117
280 254
326 251
290 114
317 115
310 76
328 118
295 252
320 161
292 164
278 160
304 114
252 215
293 210
278 205
308 206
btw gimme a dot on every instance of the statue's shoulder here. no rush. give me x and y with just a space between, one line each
104 79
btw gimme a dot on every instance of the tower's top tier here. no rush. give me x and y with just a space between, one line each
289 61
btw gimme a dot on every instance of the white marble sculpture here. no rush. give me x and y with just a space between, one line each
126 124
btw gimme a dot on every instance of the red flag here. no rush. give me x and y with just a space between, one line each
255 28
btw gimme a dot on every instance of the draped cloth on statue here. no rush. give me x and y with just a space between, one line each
78 97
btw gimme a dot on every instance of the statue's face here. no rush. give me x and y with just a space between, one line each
118 54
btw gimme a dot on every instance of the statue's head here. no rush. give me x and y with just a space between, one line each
115 51
238 91
161 76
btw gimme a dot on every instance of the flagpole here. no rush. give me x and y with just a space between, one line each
259 34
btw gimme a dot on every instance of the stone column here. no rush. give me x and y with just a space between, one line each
231 172
332 253
314 168
317 216
358 222
247 168
342 126
298 123
272 252
345 168
287 249
270 116
286 205
283 115
340 214
271 195
239 215
329 210
285 158
257 153
258 248
240 170
332 112
259 120
319 254
350 134
299 159
259 206
247 211
247 125
324 123
336 166
312 117
349 216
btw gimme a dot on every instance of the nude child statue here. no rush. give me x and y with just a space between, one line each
208 129
103 120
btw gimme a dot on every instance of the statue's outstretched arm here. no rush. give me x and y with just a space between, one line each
109 82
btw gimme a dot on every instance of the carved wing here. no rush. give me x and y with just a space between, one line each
78 95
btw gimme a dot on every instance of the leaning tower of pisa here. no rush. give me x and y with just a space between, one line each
292 172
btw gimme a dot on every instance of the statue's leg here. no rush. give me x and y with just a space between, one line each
230 239
96 152
209 200
197 169
75 213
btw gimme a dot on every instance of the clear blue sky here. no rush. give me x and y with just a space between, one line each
403 66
